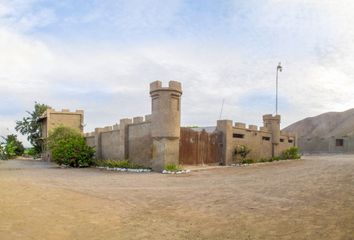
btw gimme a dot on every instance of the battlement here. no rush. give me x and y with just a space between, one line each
270 117
253 127
50 111
121 125
240 125
64 110
263 129
172 86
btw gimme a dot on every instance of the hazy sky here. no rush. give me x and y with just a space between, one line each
101 55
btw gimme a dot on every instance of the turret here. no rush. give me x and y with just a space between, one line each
272 124
165 123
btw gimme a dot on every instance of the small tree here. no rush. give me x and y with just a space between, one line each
10 147
16 145
68 147
31 127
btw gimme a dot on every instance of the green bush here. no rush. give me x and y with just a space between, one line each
11 147
173 167
242 151
117 164
291 153
247 161
32 152
68 147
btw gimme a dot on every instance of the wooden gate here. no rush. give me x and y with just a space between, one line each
199 147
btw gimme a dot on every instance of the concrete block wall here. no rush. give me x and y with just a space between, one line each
130 139
317 145
266 142
52 118
151 141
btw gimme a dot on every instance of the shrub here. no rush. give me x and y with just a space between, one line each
7 151
291 153
11 147
242 151
117 164
173 167
32 152
247 161
68 147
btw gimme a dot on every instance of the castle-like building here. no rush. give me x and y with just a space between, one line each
157 139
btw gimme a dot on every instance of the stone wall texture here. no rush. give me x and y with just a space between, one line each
155 140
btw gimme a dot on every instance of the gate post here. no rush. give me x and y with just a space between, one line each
225 127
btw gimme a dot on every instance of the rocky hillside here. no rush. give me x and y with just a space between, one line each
325 125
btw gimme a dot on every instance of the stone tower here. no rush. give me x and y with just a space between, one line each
272 123
165 123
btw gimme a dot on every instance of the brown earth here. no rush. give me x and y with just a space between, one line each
325 125
301 199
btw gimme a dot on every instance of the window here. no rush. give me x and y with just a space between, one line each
339 142
281 140
290 141
237 135
266 138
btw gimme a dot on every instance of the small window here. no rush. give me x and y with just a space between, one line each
266 138
339 142
237 135
290 141
281 140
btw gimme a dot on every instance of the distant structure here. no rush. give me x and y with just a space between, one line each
52 119
157 139
331 132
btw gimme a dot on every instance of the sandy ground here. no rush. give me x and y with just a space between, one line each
304 199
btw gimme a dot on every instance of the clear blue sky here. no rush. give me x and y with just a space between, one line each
100 56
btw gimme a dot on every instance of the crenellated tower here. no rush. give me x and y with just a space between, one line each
165 123
272 123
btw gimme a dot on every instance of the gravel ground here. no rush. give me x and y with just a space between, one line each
311 198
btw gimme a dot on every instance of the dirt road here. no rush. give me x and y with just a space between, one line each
303 199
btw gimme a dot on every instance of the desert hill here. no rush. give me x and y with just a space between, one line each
325 125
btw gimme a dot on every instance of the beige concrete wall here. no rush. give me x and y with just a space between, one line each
140 143
90 140
151 142
52 119
318 145
44 128
262 142
130 139
253 139
110 140
65 119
